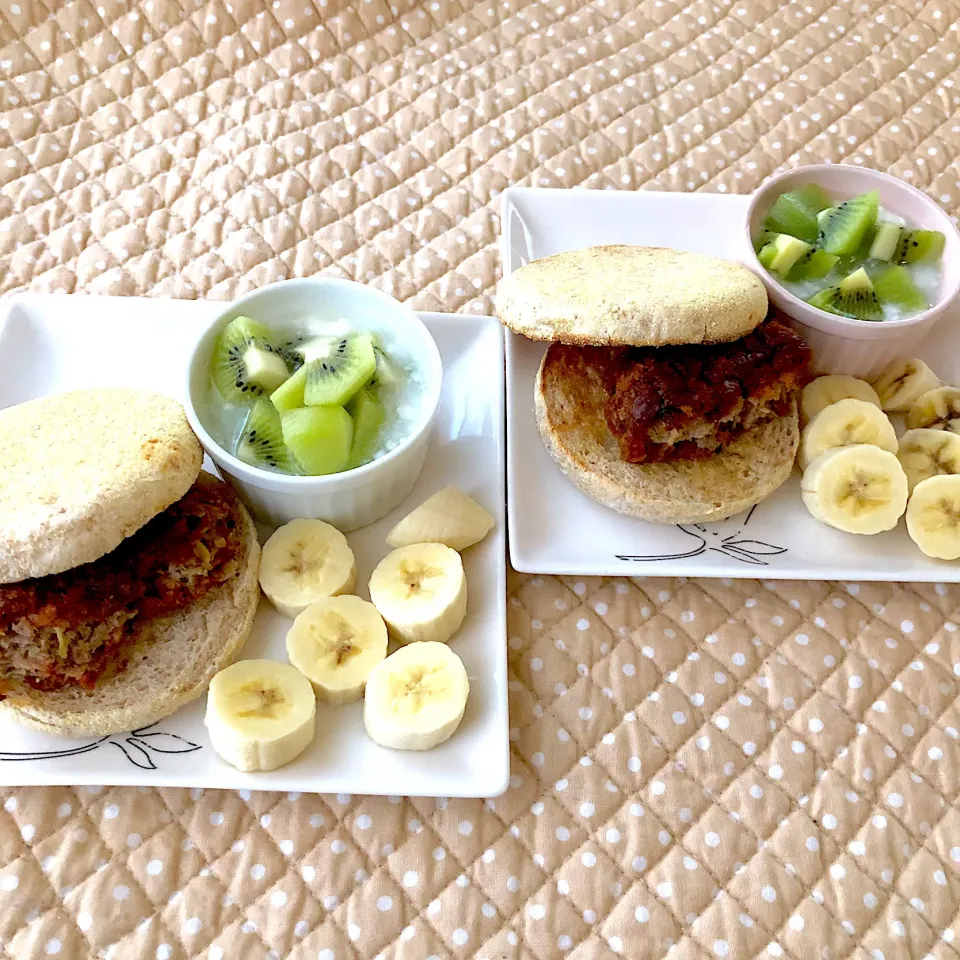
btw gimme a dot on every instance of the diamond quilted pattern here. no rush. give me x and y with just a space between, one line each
701 769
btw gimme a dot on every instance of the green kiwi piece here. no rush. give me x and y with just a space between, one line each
894 285
792 216
306 349
333 380
782 253
884 241
846 265
246 363
813 196
813 265
289 395
852 297
368 416
387 373
919 246
319 438
762 239
846 226
261 442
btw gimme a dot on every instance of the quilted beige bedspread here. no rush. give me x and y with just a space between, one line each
700 769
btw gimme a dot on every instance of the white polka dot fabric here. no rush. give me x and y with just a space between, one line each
700 769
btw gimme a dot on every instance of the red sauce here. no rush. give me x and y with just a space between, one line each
660 398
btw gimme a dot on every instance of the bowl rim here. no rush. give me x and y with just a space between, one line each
267 479
849 323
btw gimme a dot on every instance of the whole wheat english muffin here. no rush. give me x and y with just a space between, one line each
637 296
570 401
665 395
106 644
81 471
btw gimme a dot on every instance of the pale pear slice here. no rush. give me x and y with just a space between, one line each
449 517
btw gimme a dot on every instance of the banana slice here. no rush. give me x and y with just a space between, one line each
416 697
825 391
335 643
421 592
928 453
902 383
843 424
858 489
305 561
260 714
933 517
449 517
937 409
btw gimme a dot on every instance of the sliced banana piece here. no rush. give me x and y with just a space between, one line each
937 409
421 592
824 391
305 561
858 489
416 697
260 714
902 383
449 517
933 517
928 453
844 424
335 643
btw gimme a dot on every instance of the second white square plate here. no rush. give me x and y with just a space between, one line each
554 528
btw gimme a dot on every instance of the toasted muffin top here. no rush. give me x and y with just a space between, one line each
81 471
631 296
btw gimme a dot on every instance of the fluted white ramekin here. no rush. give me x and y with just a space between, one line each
860 348
355 497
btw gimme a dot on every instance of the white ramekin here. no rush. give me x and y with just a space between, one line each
356 497
841 345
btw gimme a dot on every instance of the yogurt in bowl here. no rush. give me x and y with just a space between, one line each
273 350
845 344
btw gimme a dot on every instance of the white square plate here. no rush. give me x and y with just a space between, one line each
50 344
556 529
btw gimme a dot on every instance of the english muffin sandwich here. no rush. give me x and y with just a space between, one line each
128 578
665 393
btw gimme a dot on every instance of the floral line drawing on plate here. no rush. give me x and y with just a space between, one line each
138 747
746 551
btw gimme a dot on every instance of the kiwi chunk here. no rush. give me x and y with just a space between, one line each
307 349
813 265
289 395
261 442
789 214
845 227
782 253
265 368
853 297
333 380
894 285
885 241
387 374
762 239
319 438
919 246
246 362
368 416
846 265
812 195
